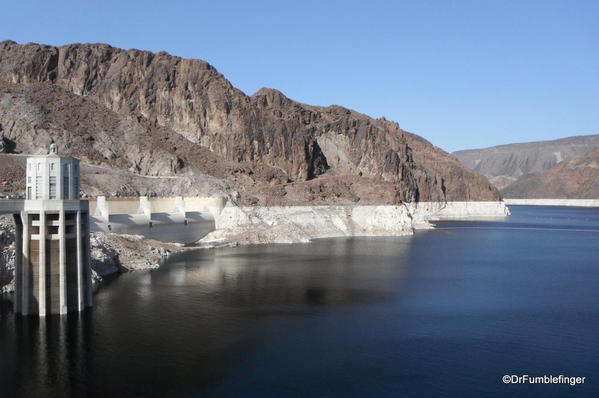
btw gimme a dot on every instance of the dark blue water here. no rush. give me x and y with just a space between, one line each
444 313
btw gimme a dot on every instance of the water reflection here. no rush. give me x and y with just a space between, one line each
276 277
42 355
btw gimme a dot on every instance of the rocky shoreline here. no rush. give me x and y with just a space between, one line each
110 253
115 253
245 225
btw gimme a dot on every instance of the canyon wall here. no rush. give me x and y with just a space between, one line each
157 115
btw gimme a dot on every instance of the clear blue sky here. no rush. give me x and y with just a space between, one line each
463 74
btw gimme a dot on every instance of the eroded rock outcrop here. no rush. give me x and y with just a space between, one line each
112 253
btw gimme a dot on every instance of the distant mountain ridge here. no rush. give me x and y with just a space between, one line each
504 164
576 178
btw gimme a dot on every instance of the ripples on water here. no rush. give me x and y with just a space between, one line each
443 313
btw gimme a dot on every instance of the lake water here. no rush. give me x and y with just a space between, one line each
443 313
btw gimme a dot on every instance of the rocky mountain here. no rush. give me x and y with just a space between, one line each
504 164
152 123
577 178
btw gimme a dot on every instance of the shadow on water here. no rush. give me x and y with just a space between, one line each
181 328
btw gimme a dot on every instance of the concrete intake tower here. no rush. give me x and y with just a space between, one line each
52 273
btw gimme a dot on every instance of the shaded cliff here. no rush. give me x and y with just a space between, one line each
156 115
577 178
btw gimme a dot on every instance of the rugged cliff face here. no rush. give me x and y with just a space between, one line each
163 116
577 178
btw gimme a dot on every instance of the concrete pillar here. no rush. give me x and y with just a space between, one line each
221 203
145 207
26 290
42 265
80 270
18 263
102 209
86 262
179 205
215 206
62 258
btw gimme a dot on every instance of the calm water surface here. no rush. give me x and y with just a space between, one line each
443 313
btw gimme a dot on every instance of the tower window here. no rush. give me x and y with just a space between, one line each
76 187
38 187
52 190
65 187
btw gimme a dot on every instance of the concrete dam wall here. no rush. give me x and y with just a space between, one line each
176 219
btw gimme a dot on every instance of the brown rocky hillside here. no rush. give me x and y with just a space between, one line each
158 124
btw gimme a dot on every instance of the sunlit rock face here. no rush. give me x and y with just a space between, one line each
291 224
149 98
